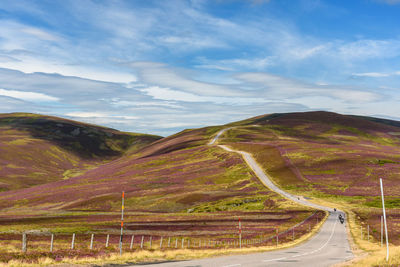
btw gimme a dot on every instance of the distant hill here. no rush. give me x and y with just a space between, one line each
37 149
324 151
320 151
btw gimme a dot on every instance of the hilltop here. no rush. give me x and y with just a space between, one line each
37 149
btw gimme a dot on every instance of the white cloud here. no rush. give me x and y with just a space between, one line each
372 74
236 63
32 65
277 87
28 96
161 75
369 49
377 74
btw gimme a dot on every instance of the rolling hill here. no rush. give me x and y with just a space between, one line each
320 155
37 149
329 156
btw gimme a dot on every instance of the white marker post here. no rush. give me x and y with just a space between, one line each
384 218
381 231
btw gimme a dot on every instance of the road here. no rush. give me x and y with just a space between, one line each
329 246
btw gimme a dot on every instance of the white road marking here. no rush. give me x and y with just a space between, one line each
310 252
232 265
277 259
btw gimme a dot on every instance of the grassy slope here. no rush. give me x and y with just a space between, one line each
177 180
331 157
37 149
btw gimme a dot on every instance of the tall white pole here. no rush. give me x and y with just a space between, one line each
381 231
384 219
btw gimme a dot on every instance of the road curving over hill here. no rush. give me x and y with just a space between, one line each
326 248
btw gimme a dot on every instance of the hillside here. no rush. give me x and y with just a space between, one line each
37 149
178 183
179 178
323 155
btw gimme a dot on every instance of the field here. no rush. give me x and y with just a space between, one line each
179 187
175 187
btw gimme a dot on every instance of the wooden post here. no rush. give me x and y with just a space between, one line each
293 234
132 239
151 241
361 232
24 242
73 241
176 243
91 241
368 231
188 243
108 239
183 242
51 242
277 237
240 234
141 244
122 223
169 241
309 228
161 242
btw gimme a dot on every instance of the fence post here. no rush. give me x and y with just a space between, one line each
161 242
24 242
169 241
293 234
188 243
183 242
361 233
73 241
277 237
141 244
151 241
91 241
132 239
51 242
176 243
108 239
368 231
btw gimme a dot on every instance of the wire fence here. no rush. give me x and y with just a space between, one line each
109 242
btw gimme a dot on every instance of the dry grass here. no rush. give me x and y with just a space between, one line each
146 256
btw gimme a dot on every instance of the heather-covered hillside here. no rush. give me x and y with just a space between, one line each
329 156
37 149
177 178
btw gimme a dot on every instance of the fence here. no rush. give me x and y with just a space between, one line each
52 242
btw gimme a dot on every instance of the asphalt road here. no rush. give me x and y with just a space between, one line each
329 246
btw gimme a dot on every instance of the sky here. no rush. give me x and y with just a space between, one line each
163 66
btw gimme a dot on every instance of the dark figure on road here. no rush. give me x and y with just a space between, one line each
334 209
341 218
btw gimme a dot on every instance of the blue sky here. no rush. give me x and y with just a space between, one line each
163 66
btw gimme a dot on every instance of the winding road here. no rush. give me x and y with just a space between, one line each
326 248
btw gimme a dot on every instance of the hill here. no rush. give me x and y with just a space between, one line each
329 156
176 185
179 178
37 149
